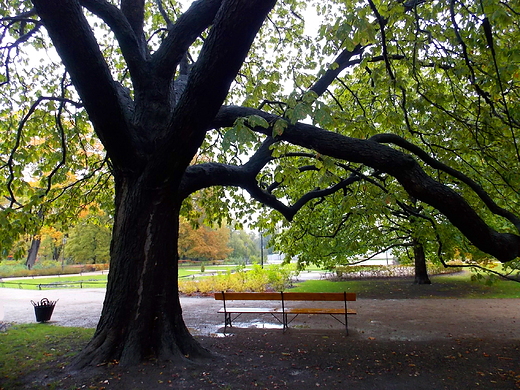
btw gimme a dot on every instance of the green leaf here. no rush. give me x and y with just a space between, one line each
279 126
230 137
256 120
309 97
301 111
322 116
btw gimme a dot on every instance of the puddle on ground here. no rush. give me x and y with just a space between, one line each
246 325
239 325
261 325
219 335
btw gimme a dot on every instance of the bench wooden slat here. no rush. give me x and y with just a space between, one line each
296 296
287 296
251 310
312 310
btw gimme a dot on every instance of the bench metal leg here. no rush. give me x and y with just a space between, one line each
346 322
227 320
285 323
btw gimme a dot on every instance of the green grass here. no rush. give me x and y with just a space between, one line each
458 285
97 281
64 281
492 287
188 270
28 348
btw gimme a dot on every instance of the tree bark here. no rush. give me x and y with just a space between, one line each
33 252
421 271
142 315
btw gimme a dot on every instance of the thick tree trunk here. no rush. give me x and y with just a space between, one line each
421 271
33 252
142 315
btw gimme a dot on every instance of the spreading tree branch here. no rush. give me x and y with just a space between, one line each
342 61
181 35
483 195
76 44
127 32
223 53
134 13
504 246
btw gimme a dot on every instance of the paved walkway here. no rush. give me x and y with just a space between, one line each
390 319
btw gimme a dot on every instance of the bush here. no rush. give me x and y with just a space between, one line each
256 279
188 286
13 268
379 271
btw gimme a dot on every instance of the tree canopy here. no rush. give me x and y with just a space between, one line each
380 103
433 100
244 246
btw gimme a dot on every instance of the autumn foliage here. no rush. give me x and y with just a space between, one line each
203 243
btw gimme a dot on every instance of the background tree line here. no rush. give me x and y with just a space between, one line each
88 242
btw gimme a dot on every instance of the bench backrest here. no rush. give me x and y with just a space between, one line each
296 296
286 296
248 296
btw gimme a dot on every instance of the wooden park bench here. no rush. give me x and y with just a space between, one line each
287 314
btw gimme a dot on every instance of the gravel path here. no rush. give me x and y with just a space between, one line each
384 319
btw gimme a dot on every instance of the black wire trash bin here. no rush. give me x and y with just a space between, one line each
43 309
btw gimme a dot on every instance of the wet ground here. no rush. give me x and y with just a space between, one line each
382 319
393 343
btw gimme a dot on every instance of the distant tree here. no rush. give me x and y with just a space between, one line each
243 245
203 243
51 243
32 253
89 242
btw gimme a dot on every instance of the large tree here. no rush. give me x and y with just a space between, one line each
157 85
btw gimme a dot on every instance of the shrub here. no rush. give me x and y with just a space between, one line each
372 271
13 268
188 286
256 279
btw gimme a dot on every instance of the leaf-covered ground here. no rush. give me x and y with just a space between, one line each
308 359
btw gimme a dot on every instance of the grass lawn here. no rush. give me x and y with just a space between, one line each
187 270
459 285
63 281
26 348
94 280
